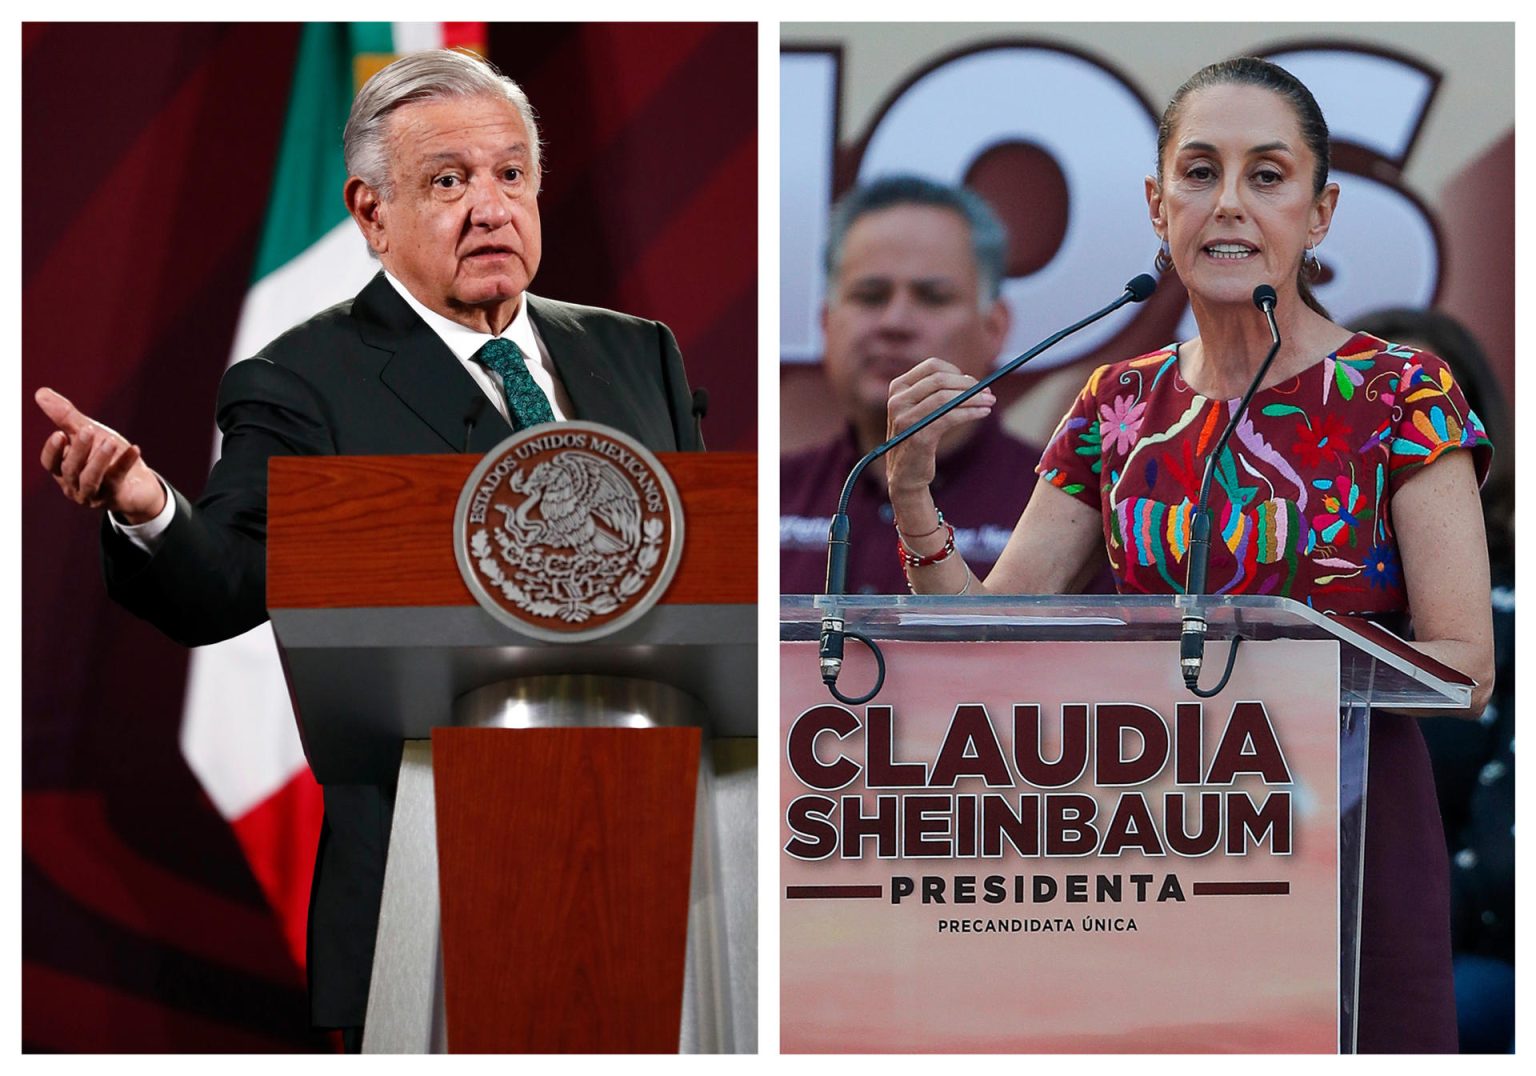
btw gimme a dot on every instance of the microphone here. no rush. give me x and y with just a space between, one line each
1141 288
472 416
832 630
1193 626
700 409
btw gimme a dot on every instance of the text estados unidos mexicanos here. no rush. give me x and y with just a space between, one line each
1046 820
632 465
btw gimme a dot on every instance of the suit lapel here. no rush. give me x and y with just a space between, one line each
579 363
423 373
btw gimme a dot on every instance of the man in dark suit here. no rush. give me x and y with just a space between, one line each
443 351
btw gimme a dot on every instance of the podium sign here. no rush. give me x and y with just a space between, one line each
1053 847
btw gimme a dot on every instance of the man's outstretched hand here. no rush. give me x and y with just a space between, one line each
95 465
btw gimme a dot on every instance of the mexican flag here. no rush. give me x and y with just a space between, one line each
238 732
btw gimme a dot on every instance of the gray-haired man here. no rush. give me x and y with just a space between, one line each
443 157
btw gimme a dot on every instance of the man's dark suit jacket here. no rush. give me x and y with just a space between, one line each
367 377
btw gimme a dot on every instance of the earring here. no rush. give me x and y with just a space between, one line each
1311 268
1164 259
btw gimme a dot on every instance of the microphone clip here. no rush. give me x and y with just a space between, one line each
1192 631
831 650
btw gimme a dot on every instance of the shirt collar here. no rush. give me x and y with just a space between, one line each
464 341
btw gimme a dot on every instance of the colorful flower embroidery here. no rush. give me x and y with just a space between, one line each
1421 383
1120 422
1320 441
1342 512
1431 433
1289 514
1381 569
1346 373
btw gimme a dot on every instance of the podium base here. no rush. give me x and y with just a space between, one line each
406 1005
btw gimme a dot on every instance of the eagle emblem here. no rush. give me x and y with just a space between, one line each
565 525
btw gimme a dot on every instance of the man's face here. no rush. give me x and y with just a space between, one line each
461 229
907 288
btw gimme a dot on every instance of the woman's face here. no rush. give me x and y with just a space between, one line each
1235 202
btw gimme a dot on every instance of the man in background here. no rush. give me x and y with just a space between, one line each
914 269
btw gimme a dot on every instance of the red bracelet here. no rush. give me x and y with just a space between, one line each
910 559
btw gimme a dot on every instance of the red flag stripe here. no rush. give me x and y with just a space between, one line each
279 836
464 35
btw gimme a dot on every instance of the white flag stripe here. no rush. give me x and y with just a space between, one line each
334 268
237 729
417 36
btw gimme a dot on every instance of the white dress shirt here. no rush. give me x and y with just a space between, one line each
464 342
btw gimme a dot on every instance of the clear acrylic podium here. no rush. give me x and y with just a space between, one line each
1376 670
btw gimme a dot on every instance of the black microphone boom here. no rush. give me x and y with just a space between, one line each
832 632
700 409
1135 292
1193 626
472 416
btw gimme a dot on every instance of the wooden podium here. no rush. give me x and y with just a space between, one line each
1035 839
572 861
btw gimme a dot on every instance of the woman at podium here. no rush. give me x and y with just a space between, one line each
1348 483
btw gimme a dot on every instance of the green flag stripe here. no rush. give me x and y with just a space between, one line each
306 199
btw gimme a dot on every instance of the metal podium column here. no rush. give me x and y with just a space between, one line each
405 1007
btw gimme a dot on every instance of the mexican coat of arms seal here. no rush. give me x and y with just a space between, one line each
568 531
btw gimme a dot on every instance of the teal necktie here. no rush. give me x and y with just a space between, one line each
526 403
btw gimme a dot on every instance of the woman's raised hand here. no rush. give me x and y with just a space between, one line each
928 385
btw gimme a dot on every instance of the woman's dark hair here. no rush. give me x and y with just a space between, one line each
1252 71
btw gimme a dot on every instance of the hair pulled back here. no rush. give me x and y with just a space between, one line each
1252 71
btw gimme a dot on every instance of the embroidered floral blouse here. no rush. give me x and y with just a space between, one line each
1301 496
